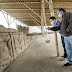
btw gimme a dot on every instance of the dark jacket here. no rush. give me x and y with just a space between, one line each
65 25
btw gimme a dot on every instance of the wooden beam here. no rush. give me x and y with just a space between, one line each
33 2
14 9
51 7
31 19
19 2
36 23
62 2
20 9
52 14
42 21
35 18
47 1
58 2
44 17
23 19
32 10
27 13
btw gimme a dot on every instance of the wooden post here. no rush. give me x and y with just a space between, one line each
52 14
44 17
42 21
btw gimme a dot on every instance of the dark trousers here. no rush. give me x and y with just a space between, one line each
63 43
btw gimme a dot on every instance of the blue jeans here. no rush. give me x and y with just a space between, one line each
68 47
63 44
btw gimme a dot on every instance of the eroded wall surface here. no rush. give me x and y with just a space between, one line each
12 43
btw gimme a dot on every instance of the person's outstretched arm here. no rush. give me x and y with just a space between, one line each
54 28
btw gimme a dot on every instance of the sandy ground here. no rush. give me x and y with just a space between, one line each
40 57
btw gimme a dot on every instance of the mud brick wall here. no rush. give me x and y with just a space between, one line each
12 43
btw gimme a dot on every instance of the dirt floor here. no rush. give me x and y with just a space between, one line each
40 57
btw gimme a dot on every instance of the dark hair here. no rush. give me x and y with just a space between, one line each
61 9
52 18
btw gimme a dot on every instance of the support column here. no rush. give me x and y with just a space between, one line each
52 14
42 21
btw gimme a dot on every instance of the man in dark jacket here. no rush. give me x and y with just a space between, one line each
66 30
